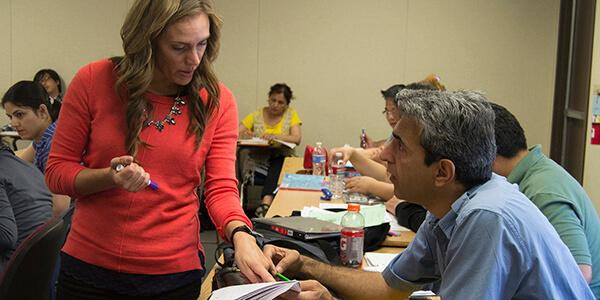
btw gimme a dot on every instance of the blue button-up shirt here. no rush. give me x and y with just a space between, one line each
492 244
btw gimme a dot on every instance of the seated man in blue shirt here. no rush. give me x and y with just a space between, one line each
481 239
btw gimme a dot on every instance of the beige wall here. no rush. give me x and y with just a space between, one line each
5 50
592 153
336 55
61 34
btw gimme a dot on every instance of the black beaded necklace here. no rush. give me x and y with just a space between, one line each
170 117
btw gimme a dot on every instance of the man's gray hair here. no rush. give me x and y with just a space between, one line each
458 126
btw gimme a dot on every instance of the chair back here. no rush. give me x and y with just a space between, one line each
29 270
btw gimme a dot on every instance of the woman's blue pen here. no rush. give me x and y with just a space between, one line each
282 277
153 185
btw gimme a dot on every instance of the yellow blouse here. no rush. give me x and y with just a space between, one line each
255 122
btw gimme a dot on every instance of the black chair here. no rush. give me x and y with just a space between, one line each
29 270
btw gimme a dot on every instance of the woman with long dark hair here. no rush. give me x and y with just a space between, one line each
28 108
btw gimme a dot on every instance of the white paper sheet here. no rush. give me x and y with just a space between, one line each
376 262
262 291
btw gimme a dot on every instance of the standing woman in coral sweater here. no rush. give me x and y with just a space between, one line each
158 114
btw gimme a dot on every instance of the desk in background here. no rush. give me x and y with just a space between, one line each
287 201
11 134
291 165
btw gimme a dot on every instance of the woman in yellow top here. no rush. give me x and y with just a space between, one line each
275 121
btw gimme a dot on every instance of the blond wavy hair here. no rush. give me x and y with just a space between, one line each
144 23
435 81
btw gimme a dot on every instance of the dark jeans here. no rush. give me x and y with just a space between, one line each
86 281
275 165
73 289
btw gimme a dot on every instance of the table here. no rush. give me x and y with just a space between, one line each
287 201
11 134
291 165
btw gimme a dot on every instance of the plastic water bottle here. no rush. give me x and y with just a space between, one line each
318 160
363 139
337 174
352 238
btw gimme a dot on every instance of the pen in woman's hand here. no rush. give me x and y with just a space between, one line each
151 184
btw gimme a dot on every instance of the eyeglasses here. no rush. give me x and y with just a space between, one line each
389 113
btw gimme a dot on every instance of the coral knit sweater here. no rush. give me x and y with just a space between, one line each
147 232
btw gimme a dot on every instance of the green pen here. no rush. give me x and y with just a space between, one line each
282 277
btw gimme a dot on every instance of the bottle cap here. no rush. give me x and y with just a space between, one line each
354 207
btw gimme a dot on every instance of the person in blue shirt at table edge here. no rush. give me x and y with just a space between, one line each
481 239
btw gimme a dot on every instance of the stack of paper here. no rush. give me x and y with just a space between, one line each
284 143
376 262
394 226
262 291
253 141
256 141
373 214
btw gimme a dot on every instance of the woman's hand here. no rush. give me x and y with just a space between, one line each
132 177
370 142
347 153
360 184
248 134
245 133
269 137
250 259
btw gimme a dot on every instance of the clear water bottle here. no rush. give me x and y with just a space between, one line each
337 174
363 139
352 237
318 160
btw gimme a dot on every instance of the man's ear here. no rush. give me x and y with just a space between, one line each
445 173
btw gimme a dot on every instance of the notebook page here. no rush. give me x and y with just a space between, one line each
266 290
